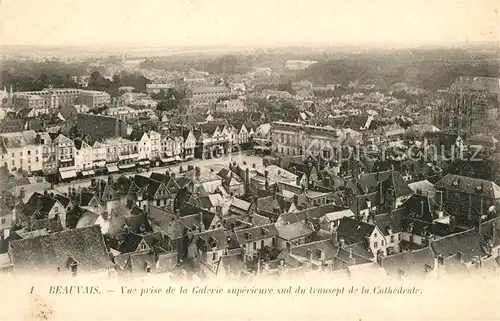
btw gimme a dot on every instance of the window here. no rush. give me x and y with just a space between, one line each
375 234
392 238
375 244
399 237
148 268
3 221
36 159
21 154
158 202
56 209
254 245
382 242
29 153
214 256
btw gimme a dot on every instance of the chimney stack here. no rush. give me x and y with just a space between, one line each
309 254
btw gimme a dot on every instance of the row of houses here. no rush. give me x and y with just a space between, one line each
48 153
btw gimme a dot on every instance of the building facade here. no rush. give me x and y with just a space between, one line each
298 139
467 103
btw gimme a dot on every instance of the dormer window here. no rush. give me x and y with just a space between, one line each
73 266
455 183
143 246
148 268
212 241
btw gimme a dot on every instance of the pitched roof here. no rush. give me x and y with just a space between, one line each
390 220
213 239
168 222
328 248
49 252
256 233
352 229
470 185
425 186
130 243
413 263
469 243
294 231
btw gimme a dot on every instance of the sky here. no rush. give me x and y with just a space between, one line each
246 22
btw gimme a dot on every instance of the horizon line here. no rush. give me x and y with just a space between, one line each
253 45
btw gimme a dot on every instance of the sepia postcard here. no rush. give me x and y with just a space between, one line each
249 160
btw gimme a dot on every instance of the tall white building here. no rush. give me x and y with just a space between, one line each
21 151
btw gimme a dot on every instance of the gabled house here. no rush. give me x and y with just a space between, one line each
351 231
189 144
211 246
254 239
143 144
272 206
170 226
232 182
145 192
39 206
135 265
377 192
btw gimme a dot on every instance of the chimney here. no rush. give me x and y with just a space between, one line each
22 193
421 207
202 226
321 254
309 254
110 180
266 174
342 243
439 195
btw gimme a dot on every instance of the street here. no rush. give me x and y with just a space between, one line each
238 157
